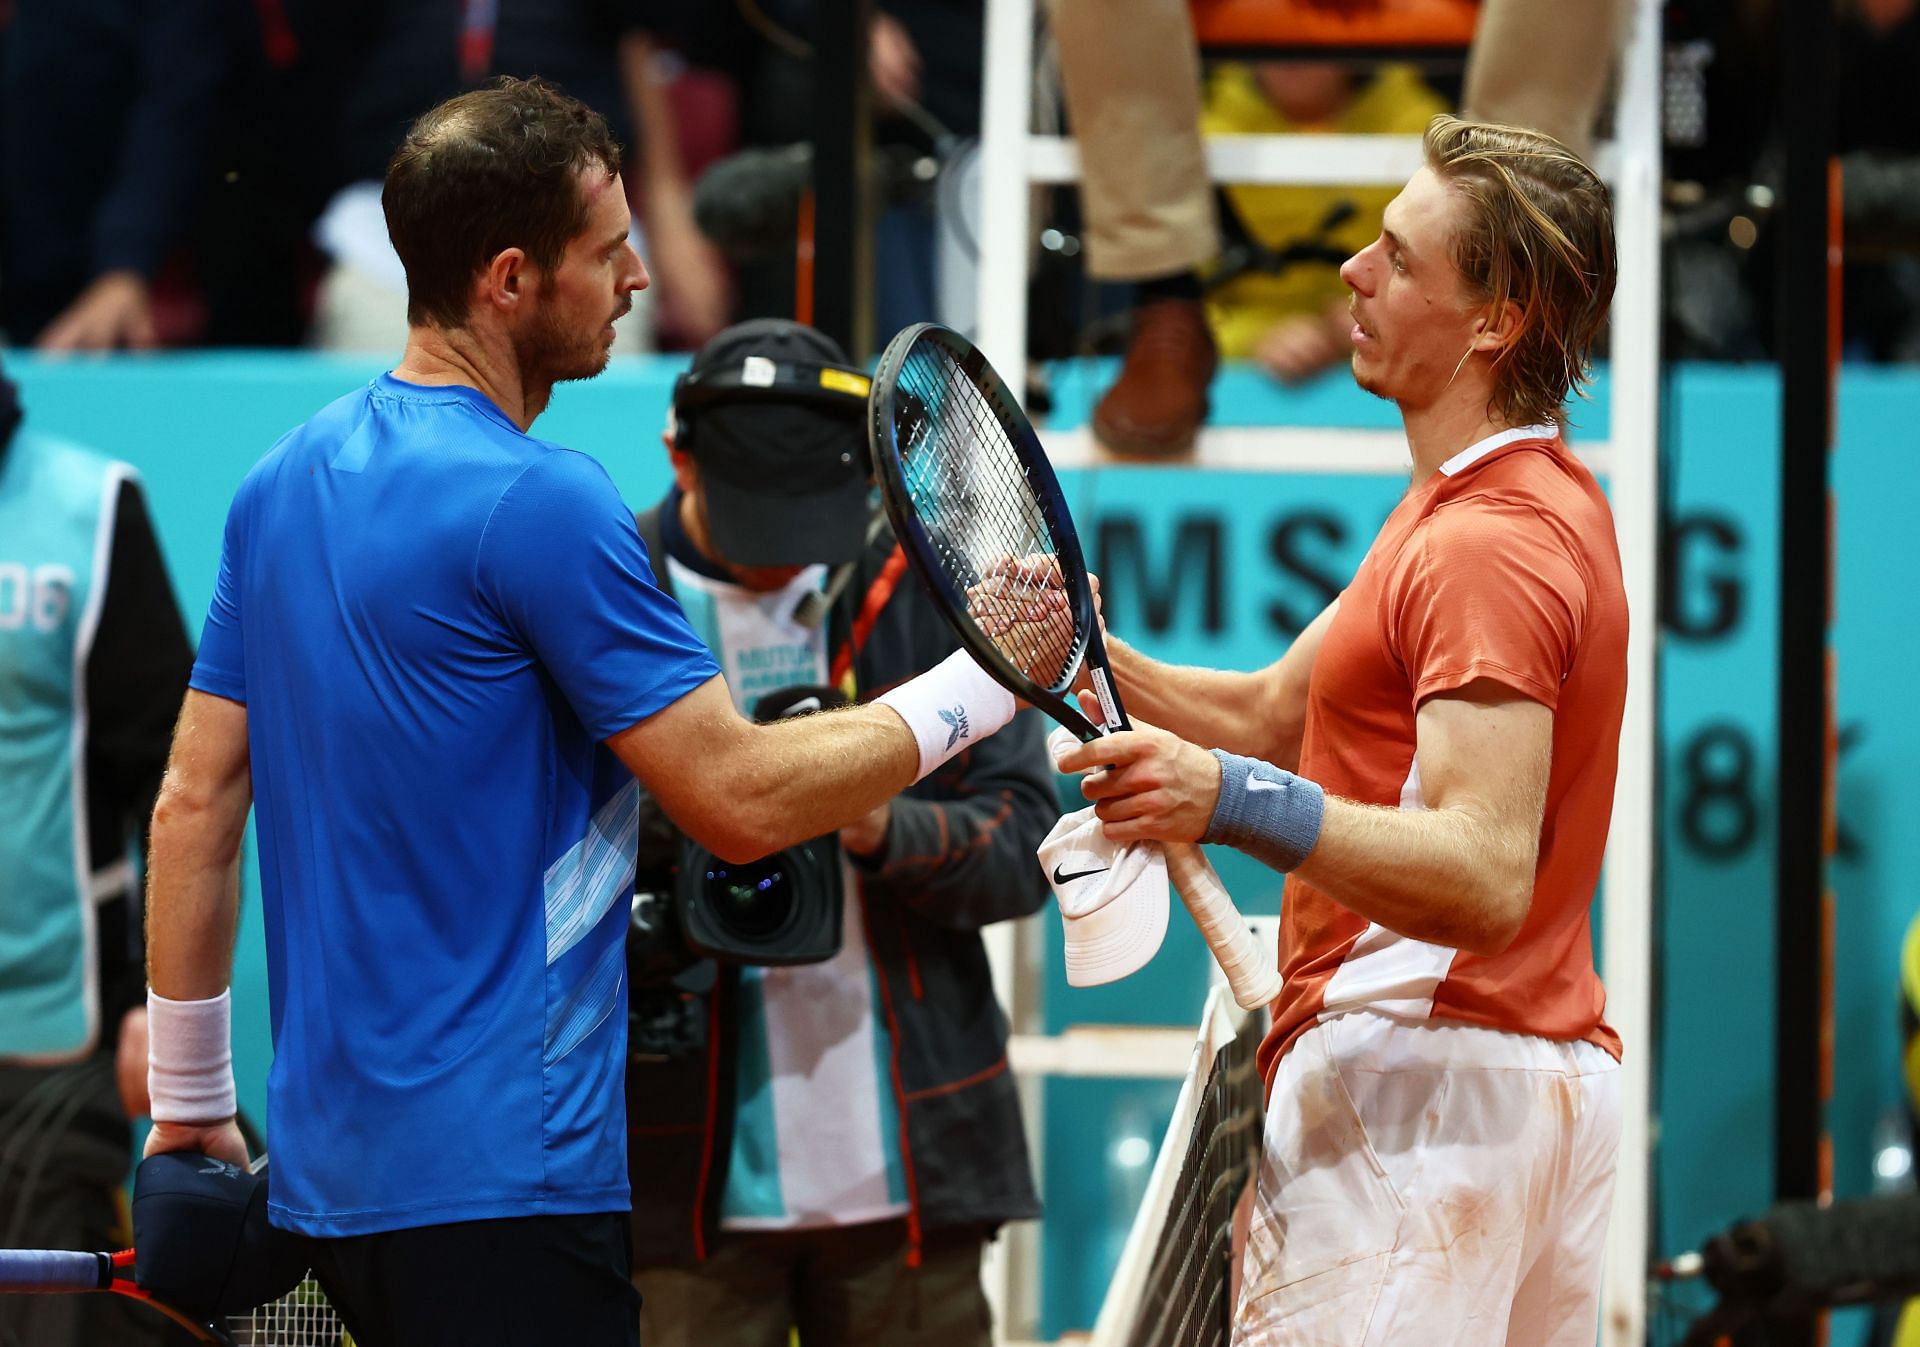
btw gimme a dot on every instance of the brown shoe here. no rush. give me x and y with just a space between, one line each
1155 407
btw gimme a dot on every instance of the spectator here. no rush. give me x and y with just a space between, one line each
925 58
1545 67
1897 1324
865 1138
93 663
1878 133
407 55
1131 72
253 259
1295 323
924 64
89 215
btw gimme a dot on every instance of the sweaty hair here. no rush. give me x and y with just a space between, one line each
492 169
1536 231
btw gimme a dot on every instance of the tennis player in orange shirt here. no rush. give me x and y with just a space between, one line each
1433 760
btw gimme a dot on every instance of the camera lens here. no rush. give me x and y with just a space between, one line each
753 901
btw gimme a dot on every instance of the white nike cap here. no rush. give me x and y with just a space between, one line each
1112 896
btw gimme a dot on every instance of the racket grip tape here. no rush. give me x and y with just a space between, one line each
46 1270
1249 971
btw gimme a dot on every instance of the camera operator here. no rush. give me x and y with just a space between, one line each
823 1128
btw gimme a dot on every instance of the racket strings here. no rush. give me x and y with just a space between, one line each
971 489
302 1318
1001 548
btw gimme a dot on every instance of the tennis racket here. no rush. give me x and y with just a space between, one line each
979 512
301 1318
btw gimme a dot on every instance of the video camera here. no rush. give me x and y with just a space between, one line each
786 908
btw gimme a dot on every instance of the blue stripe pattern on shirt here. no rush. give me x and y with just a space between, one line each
594 873
592 1001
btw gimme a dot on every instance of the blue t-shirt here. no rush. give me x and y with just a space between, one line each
434 621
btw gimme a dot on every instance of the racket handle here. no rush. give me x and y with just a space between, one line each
29 1270
1254 980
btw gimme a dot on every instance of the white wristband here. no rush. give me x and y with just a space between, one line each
190 1059
950 707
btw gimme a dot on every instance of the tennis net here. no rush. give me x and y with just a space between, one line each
1173 1286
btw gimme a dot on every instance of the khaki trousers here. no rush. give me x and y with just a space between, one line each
1131 71
1534 64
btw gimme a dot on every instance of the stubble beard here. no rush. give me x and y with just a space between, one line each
550 354
1367 383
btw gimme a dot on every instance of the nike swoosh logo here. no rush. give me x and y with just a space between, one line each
804 705
1261 783
1059 877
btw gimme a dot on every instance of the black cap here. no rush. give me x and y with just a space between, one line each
782 451
201 1237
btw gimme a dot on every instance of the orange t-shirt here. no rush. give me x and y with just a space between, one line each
1504 566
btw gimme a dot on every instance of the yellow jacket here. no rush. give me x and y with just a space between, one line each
1395 101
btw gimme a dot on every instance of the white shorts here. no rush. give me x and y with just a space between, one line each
1431 1183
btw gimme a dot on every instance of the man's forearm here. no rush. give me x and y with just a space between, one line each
193 892
743 790
812 775
192 912
1441 875
818 774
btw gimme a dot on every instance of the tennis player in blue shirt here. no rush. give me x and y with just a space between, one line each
435 664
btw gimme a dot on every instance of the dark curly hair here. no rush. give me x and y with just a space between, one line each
492 169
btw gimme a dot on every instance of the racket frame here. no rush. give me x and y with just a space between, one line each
63 1271
111 1273
1088 657
1254 980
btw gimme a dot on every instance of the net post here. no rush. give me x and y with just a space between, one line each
1167 1290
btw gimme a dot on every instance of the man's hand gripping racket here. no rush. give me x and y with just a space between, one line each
979 513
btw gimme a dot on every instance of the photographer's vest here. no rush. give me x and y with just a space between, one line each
812 1041
57 505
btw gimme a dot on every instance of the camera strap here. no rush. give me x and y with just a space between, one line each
878 595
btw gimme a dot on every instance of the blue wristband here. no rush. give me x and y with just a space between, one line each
1271 814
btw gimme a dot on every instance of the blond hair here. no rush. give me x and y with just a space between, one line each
1537 232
